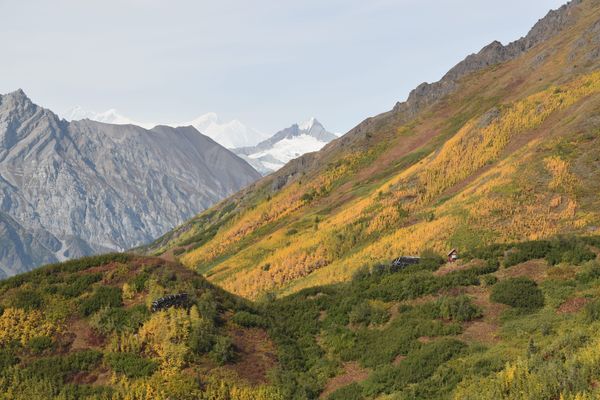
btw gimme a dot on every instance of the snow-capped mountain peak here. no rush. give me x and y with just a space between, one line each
110 116
308 124
229 134
287 144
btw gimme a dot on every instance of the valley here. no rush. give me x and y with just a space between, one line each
508 321
446 249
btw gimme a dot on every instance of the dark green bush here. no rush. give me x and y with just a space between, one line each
489 280
179 251
527 251
202 337
592 311
519 292
57 368
27 299
590 272
431 260
365 313
352 391
569 250
77 284
130 364
7 358
459 308
138 282
111 319
39 343
417 366
84 263
207 306
223 350
244 318
104 296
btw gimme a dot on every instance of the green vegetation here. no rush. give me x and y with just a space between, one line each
413 332
104 296
521 293
131 364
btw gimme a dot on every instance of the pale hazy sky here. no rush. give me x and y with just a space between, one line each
268 63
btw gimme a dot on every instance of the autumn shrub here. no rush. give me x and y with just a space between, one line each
519 292
131 365
104 296
223 350
18 325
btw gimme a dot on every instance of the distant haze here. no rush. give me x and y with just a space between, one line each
266 62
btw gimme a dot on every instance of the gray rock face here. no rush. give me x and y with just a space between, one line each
73 189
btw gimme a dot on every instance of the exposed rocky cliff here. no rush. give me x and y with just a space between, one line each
69 189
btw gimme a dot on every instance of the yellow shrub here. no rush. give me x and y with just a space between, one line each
166 333
19 325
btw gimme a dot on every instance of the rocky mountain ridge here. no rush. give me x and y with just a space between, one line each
69 189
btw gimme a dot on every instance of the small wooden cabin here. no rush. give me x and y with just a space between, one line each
453 255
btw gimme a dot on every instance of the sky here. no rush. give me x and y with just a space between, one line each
268 63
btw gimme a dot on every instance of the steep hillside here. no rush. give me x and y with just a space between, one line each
506 147
74 189
85 329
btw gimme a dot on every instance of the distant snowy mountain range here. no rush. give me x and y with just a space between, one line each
287 144
266 154
228 134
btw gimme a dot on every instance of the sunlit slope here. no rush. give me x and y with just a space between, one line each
511 153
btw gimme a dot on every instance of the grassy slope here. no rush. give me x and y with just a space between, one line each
83 330
511 155
427 333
